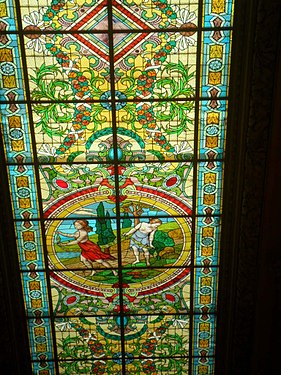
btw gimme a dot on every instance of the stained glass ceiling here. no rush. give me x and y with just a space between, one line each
113 117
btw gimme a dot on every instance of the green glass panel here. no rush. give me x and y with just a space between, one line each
76 293
75 190
153 366
158 130
159 68
87 338
94 365
157 336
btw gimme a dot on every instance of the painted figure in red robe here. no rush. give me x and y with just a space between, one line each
91 252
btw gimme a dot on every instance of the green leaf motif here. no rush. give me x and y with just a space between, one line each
51 89
172 116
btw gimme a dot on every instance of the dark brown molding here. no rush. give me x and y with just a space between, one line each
14 349
266 45
267 325
255 53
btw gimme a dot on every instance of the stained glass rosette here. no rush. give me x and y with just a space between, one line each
114 120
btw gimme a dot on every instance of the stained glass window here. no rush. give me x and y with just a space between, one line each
113 115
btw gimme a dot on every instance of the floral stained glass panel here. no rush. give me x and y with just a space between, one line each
114 119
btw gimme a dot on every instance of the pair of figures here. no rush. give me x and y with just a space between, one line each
141 241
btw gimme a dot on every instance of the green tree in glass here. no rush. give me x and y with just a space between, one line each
126 222
160 241
103 226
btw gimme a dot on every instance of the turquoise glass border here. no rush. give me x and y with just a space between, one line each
226 14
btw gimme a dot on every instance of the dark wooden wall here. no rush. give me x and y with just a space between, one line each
249 324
